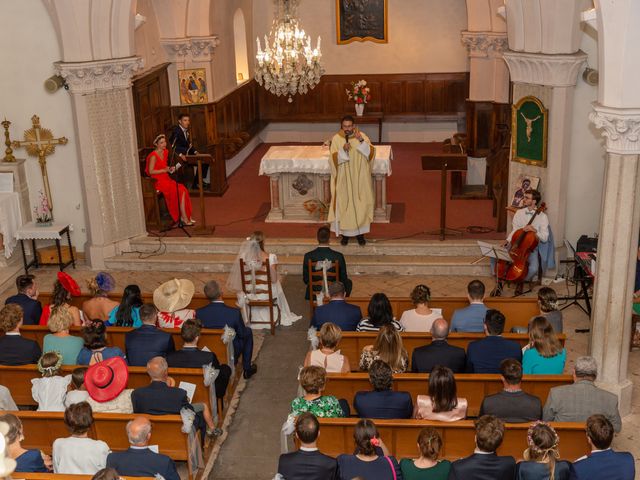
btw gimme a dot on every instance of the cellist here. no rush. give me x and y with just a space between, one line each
540 226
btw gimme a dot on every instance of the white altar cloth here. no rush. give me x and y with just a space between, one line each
10 220
315 159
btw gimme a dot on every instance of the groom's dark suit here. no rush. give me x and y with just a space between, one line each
324 253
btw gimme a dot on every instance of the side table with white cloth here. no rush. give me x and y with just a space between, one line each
300 182
33 232
10 220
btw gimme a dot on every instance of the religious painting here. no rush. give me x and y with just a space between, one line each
361 20
193 86
523 183
529 132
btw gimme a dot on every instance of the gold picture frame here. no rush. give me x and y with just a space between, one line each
529 130
192 85
361 21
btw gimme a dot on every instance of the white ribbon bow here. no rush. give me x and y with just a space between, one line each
324 265
253 266
288 427
312 336
210 374
227 338
243 304
188 416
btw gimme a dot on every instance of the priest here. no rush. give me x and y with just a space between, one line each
351 209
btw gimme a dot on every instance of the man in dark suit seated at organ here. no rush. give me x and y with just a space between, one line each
189 356
382 402
438 352
323 252
307 463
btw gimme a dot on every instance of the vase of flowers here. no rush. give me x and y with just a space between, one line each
43 213
316 209
360 95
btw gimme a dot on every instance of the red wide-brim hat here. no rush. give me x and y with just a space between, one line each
69 284
106 380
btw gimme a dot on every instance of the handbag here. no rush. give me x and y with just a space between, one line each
393 469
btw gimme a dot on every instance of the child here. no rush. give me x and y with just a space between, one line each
50 390
77 392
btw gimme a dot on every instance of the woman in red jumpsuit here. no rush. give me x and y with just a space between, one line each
158 169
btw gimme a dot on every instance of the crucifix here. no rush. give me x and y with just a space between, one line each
40 143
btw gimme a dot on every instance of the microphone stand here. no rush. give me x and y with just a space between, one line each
180 224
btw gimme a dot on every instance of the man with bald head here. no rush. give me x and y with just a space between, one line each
438 352
138 460
158 398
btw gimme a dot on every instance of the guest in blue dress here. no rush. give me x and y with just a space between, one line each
95 345
26 460
371 460
60 340
545 355
541 458
127 314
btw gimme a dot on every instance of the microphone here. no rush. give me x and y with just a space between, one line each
346 136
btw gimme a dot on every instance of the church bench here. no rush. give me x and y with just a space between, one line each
211 338
18 380
63 476
518 311
352 343
472 386
458 438
42 428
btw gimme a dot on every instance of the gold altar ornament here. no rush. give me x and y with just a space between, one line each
40 143
8 157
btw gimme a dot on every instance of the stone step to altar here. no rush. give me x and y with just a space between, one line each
295 246
292 263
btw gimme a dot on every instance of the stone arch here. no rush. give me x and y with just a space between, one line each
240 46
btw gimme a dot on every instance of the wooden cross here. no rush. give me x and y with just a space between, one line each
40 143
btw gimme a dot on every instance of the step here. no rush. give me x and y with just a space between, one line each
300 246
292 263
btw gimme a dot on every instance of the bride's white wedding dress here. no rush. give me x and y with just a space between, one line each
250 254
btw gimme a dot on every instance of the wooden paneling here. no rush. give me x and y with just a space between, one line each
151 102
400 97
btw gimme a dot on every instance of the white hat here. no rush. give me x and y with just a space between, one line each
7 465
173 295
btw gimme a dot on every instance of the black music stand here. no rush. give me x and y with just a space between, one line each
581 279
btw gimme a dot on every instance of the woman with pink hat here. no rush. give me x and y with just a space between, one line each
106 384
64 288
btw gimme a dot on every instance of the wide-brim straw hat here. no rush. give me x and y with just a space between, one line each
107 379
173 295
7 465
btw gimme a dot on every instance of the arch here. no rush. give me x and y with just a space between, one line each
240 46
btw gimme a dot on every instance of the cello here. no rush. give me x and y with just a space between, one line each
522 244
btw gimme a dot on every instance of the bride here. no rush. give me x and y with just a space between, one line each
253 254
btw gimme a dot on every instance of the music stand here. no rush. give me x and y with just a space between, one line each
581 280
491 250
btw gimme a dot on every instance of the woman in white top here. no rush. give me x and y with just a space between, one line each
172 299
79 454
327 356
50 390
422 317
253 255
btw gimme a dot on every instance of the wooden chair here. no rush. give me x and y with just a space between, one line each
155 207
315 279
258 283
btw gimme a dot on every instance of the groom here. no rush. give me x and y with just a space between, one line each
351 209
323 252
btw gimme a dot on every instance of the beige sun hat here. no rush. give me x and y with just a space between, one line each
7 465
173 295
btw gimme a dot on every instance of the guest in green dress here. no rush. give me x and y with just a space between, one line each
545 355
427 466
312 381
59 340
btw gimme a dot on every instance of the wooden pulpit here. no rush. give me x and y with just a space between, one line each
444 162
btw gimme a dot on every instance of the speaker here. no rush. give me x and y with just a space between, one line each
587 244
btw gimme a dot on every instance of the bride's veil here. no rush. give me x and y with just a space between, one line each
249 252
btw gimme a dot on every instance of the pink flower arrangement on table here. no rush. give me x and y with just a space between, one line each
359 92
43 214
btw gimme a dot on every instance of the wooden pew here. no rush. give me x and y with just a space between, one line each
473 387
458 438
18 379
211 338
42 428
352 343
518 311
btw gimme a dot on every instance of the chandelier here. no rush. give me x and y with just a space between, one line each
287 65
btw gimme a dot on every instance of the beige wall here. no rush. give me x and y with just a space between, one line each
424 36
147 37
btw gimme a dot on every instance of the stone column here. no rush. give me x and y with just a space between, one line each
617 248
275 213
103 110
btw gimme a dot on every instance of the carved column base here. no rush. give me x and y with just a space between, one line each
382 210
276 213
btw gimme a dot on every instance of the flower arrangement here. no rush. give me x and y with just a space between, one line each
316 208
359 92
43 214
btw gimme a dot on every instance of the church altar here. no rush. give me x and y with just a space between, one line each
299 180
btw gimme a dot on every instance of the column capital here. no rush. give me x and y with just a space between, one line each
620 127
203 47
543 69
198 48
177 48
484 44
99 75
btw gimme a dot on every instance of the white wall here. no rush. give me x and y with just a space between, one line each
30 46
424 36
586 164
